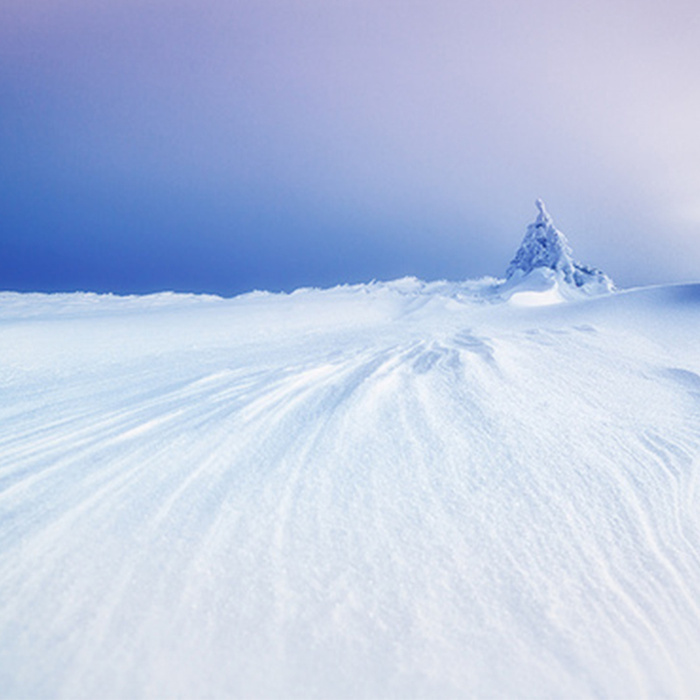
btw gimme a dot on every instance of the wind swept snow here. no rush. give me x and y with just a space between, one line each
390 490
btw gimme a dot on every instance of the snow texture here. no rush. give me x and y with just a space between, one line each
546 253
382 491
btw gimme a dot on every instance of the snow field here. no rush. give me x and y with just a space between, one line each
383 491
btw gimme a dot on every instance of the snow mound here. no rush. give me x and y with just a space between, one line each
544 263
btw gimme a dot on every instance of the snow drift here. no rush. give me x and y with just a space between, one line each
388 490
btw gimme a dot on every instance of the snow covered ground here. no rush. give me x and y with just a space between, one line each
391 490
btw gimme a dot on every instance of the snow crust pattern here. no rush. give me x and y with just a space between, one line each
545 249
392 490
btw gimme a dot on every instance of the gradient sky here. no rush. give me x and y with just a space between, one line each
224 146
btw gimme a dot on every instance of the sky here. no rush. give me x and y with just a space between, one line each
224 146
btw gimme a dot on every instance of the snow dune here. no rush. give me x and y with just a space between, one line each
389 490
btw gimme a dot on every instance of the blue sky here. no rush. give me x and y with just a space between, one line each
226 146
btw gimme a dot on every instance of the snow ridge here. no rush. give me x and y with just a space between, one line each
546 248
